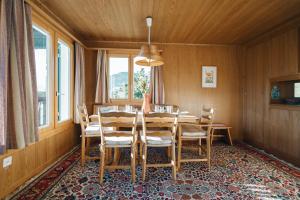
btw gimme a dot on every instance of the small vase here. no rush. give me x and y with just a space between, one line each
146 103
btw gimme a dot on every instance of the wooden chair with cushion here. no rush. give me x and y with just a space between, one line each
116 138
88 130
165 125
197 132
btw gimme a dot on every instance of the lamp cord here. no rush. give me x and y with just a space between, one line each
149 34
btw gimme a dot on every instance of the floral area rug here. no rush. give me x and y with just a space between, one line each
238 172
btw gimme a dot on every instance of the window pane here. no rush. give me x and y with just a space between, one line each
63 92
141 80
118 77
41 52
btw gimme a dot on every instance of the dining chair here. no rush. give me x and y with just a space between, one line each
197 132
164 136
116 138
88 130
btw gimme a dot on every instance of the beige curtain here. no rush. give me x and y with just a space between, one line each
79 93
19 104
102 95
157 85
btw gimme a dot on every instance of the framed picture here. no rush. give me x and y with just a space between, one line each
209 76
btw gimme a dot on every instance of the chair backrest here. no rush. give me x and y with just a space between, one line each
160 120
83 116
104 108
117 120
207 115
165 107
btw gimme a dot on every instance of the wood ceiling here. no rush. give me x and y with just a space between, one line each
174 21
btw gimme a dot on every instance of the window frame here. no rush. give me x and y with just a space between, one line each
54 34
39 25
69 43
130 54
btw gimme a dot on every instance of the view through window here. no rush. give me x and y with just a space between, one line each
118 77
141 80
41 52
63 92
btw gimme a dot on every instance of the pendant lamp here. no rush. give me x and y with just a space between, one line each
149 54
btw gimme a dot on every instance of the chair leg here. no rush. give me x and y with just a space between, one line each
169 152
144 165
133 153
199 148
82 150
102 163
88 145
229 136
173 161
212 135
141 153
179 153
208 146
116 155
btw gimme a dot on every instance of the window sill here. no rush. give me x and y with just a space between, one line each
53 131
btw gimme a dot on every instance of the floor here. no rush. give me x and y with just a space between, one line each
238 172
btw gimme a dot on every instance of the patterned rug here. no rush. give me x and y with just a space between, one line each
238 172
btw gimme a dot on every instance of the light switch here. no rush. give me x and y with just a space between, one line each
7 161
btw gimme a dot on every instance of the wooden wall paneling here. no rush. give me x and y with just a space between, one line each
90 77
171 74
259 88
249 97
29 161
295 136
283 52
298 38
41 153
276 56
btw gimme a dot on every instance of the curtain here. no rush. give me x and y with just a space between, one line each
102 95
19 102
157 85
79 93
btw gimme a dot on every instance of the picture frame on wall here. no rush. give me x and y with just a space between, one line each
209 76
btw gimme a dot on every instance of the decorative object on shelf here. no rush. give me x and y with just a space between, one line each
209 76
149 54
275 92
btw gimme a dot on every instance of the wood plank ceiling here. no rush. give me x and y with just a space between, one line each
174 21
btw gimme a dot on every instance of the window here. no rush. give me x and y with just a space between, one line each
63 81
42 54
141 80
118 77
127 81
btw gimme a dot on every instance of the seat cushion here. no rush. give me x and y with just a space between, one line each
95 130
159 137
94 123
118 139
190 131
92 130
